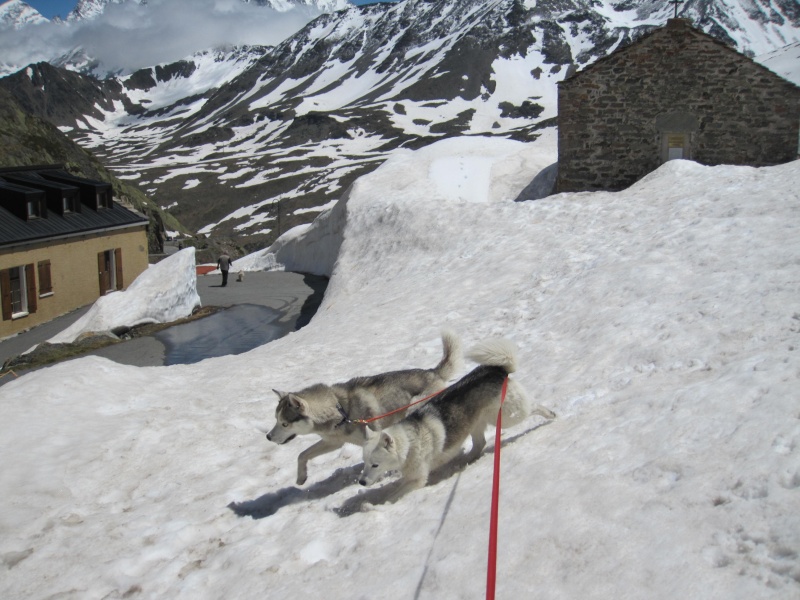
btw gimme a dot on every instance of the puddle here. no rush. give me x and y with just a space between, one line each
231 331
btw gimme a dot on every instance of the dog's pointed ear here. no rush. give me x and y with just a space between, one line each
387 441
280 394
297 404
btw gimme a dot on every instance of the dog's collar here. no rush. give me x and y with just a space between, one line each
345 416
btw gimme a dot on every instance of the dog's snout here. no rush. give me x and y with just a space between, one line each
362 481
269 437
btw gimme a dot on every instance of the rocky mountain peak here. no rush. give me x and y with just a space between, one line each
16 14
91 9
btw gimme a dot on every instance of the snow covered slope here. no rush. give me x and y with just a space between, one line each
784 61
660 323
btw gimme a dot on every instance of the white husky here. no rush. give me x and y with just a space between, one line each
433 435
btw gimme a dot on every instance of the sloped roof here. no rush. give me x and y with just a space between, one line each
15 231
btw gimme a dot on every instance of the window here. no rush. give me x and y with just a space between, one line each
109 266
19 299
104 199
69 203
18 292
34 209
45 282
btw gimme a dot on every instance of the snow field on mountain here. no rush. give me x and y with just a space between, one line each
738 19
212 69
661 324
19 14
784 61
612 12
278 93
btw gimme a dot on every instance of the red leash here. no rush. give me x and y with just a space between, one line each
491 571
347 419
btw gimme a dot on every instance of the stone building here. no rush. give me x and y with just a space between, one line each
674 93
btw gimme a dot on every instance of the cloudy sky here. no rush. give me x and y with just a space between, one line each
52 8
129 36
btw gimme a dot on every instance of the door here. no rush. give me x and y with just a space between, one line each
674 146
109 267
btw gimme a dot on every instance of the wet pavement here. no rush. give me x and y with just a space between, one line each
232 331
262 307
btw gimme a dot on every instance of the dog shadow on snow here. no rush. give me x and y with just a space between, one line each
268 504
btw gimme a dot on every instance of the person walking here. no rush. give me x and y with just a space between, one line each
224 263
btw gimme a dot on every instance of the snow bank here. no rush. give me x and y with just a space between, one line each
164 292
481 170
303 249
660 323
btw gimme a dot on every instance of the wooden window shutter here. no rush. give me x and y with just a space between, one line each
45 280
30 282
118 266
101 272
5 290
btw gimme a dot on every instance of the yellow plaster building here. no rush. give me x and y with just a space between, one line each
63 243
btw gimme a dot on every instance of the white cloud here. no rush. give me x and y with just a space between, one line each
129 36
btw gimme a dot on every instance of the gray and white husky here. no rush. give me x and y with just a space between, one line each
433 435
329 410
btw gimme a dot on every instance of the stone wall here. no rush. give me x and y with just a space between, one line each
676 87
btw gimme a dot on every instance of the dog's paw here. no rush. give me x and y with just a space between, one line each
472 457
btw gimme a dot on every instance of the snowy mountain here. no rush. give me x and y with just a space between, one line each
91 9
784 61
16 14
260 147
323 6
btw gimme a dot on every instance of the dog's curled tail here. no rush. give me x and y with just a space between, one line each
451 359
495 352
